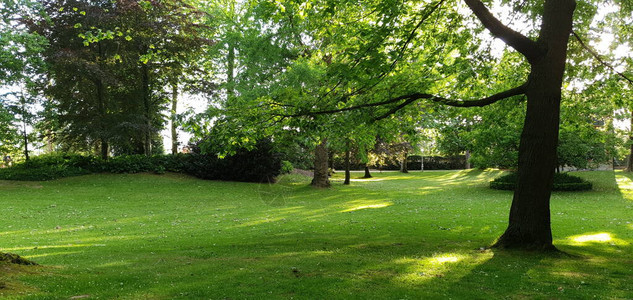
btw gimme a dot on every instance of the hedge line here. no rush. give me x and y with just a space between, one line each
562 182
260 164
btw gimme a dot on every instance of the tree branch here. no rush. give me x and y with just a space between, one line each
599 59
410 98
514 39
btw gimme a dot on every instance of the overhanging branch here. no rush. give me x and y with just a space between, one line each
405 100
512 38
599 59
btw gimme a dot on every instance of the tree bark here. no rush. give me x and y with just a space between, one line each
347 163
147 134
174 128
320 178
403 163
367 174
467 165
26 139
529 223
101 107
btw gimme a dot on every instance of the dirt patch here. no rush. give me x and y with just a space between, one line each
303 172
16 259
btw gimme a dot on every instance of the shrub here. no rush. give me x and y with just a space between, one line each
50 166
260 164
286 167
562 182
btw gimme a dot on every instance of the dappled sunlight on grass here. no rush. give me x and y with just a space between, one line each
395 236
367 206
35 256
421 270
625 184
51 247
602 237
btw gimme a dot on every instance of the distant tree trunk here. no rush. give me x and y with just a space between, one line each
347 163
467 166
174 128
330 157
320 178
145 88
629 163
101 108
403 163
367 174
529 224
26 139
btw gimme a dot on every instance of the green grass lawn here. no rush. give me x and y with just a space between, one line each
396 236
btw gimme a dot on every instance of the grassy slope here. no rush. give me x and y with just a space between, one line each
396 236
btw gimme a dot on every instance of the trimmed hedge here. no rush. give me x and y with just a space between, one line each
562 182
260 164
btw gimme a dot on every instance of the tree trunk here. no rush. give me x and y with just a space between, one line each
347 163
467 166
403 163
320 178
529 223
367 174
629 163
147 134
174 128
26 140
102 116
330 163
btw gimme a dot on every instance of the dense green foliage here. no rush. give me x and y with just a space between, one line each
259 164
562 182
396 236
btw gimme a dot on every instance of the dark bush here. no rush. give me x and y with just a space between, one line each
260 164
562 182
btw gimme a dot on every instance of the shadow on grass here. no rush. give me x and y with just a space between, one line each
364 241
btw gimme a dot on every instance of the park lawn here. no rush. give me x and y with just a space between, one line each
395 236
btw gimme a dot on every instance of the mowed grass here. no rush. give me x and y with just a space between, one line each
395 236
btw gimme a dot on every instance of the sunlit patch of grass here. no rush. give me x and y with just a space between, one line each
367 206
396 236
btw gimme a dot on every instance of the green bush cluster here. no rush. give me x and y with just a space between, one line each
562 182
260 164
286 167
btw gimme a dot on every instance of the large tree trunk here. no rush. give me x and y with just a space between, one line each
367 174
320 178
174 128
347 163
529 224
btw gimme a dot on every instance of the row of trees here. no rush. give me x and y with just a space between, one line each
330 76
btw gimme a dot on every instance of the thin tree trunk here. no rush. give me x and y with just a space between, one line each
102 117
147 135
320 178
330 163
26 138
529 224
347 163
367 174
174 127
